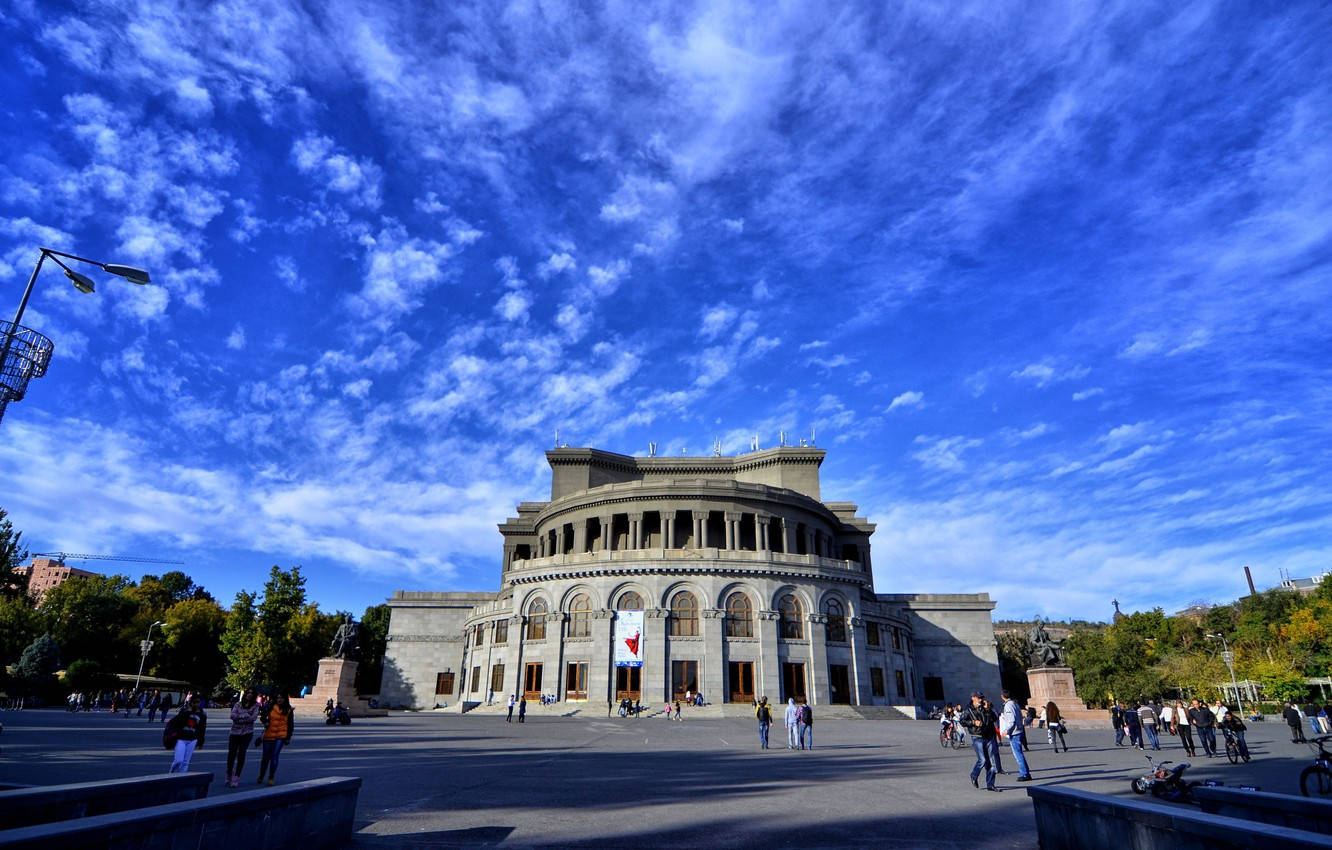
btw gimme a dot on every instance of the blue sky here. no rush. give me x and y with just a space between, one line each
1051 285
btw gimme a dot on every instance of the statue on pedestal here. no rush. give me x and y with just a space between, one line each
1045 651
344 642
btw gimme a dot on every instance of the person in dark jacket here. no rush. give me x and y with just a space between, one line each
1205 722
189 724
764 715
165 707
1117 721
1295 722
982 723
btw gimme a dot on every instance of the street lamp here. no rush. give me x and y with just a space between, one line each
26 353
145 646
1229 657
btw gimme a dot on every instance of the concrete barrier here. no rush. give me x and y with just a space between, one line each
310 815
1079 820
1312 815
47 803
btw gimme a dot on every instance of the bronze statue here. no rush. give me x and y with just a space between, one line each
1045 652
344 642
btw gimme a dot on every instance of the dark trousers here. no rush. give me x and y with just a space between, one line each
1186 738
268 762
1208 736
236 747
1296 733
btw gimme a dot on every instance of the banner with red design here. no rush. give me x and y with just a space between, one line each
628 638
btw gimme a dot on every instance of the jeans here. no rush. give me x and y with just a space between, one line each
1119 735
180 761
1208 736
983 748
806 736
269 761
236 747
1018 742
1152 738
1242 744
792 737
763 734
1186 738
1135 736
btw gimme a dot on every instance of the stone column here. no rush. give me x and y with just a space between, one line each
600 677
761 532
731 529
559 539
818 660
700 519
667 529
517 635
860 677
636 531
788 536
580 536
656 659
558 623
606 533
712 666
768 676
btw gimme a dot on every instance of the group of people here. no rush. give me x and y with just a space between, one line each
189 727
1142 723
1319 717
799 720
986 727
122 701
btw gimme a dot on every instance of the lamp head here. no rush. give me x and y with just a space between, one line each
82 283
130 273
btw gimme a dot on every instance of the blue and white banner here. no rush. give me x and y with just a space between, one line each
628 638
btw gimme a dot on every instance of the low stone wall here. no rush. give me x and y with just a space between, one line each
311 815
48 803
1079 820
1312 815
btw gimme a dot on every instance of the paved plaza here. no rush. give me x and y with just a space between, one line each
442 780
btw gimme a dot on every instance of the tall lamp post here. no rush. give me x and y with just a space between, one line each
1229 657
145 647
26 353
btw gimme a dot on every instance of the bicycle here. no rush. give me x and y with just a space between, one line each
952 736
1316 779
1232 747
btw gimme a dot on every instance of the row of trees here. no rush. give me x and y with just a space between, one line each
92 628
1280 638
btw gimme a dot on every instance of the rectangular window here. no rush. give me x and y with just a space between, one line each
684 678
575 683
497 679
501 631
901 685
480 634
871 634
876 681
897 638
443 683
476 679
532 682
933 686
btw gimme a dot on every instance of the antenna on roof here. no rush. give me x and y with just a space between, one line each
684 450
781 437
716 447
811 436
557 438
753 444
652 449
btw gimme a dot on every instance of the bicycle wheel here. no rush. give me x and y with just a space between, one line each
944 738
1316 781
1232 752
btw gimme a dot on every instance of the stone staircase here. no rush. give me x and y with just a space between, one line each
711 711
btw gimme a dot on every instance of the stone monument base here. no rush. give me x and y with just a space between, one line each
1055 684
336 681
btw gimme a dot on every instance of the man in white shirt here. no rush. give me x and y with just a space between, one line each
1010 724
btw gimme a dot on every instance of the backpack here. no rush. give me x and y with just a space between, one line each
170 735
806 715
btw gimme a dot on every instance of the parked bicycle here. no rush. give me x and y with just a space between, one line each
1316 779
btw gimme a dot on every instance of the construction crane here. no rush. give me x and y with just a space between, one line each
61 556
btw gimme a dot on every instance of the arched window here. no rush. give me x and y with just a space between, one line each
739 616
580 616
630 601
536 620
836 628
684 614
792 615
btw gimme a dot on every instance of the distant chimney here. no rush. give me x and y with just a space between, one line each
1248 575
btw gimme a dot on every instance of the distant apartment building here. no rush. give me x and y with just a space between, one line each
45 573
1303 585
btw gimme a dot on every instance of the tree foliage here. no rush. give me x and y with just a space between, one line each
35 671
374 642
279 640
12 554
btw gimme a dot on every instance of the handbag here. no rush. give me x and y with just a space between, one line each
169 737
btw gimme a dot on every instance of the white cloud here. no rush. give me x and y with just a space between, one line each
558 262
943 453
236 339
513 306
717 319
1045 373
813 344
735 225
357 389
1083 395
910 398
319 157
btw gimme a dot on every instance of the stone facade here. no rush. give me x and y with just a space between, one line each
749 584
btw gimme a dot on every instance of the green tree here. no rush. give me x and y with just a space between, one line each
19 625
239 643
280 640
88 676
192 646
374 641
35 671
83 612
12 554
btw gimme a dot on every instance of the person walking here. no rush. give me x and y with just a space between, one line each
165 708
764 715
522 709
189 724
1117 721
981 723
1011 724
243 716
994 755
512 701
678 715
1184 728
1133 725
792 720
1054 726
1205 722
279 722
1295 720
806 727
154 703
1147 717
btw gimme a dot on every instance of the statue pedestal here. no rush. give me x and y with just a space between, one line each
1055 684
336 681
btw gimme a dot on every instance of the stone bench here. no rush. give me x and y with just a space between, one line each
1310 814
47 803
1080 820
310 815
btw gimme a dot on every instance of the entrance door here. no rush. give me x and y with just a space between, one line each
628 683
532 681
740 680
684 678
575 686
839 683
793 681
